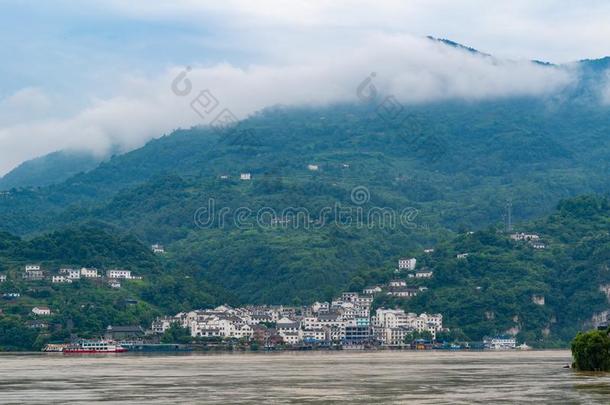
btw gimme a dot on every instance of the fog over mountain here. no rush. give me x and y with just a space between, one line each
413 69
108 66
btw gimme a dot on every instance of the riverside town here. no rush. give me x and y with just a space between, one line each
351 321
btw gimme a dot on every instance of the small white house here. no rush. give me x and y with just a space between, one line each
2 278
88 273
126 274
32 267
114 284
41 311
313 168
407 264
462 255
428 250
245 176
423 274
157 248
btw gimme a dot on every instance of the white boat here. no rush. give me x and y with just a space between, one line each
94 346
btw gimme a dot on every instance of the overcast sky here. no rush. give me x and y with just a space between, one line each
90 75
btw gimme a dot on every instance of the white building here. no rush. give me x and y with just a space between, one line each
525 236
156 248
60 279
245 176
407 264
424 274
88 273
428 250
160 325
73 274
313 168
41 311
2 278
32 267
114 284
500 343
394 337
372 290
397 318
397 283
125 274
462 255
316 335
402 292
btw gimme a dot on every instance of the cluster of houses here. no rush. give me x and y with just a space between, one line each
398 287
34 272
346 321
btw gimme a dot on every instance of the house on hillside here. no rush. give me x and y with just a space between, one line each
402 292
157 248
372 290
525 236
125 274
89 273
72 274
407 264
33 273
42 311
60 279
426 273
245 176
397 283
2 278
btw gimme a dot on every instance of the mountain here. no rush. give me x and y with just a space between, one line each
338 193
49 169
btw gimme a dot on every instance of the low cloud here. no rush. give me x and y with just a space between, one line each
415 70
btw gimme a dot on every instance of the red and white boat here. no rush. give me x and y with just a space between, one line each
94 346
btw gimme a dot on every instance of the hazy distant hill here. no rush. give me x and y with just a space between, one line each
49 169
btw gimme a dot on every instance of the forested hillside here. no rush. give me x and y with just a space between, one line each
502 286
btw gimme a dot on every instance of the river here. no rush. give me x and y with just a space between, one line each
294 378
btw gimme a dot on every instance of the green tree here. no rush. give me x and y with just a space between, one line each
591 351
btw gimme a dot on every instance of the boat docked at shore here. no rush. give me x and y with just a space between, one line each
94 346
